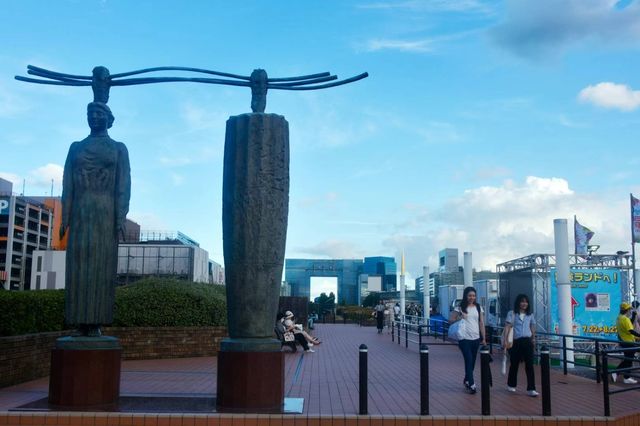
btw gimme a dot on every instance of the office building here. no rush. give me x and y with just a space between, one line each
25 226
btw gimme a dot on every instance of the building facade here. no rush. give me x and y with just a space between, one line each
25 226
356 277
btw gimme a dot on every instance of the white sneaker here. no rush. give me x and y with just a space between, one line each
309 350
310 345
533 393
630 381
614 377
511 389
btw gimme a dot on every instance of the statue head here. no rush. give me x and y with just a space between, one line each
99 116
258 90
101 83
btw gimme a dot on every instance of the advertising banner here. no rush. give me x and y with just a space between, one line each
596 295
635 219
4 206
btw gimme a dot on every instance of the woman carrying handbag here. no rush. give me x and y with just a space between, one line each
471 334
522 323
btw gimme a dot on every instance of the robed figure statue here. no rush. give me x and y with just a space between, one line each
95 201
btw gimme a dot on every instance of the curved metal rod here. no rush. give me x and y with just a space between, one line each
302 77
171 68
303 82
59 74
53 82
151 80
39 74
320 86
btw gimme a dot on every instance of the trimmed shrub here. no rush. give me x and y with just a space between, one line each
26 312
155 302
151 302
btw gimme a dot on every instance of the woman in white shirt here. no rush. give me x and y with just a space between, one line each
472 315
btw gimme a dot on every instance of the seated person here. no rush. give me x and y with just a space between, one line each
281 329
290 325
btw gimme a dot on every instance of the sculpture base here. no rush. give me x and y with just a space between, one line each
85 372
250 382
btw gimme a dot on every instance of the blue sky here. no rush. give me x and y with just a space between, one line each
480 123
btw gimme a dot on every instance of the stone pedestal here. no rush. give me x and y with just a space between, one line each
85 372
250 382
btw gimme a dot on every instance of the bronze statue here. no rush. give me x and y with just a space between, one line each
95 201
101 81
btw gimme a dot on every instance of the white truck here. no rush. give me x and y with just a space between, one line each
449 296
487 296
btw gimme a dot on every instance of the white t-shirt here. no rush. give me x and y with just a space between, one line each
471 329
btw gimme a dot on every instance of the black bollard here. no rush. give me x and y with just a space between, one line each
605 384
545 380
485 380
363 380
598 365
398 333
406 335
564 355
393 333
424 380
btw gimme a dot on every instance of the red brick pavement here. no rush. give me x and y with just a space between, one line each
328 382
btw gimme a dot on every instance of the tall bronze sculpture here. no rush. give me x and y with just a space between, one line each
255 203
95 200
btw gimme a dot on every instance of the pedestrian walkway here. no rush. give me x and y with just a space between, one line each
328 382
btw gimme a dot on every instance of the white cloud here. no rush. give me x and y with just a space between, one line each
611 95
547 27
331 249
501 223
43 176
422 46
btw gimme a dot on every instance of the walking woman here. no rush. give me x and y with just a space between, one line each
473 334
524 342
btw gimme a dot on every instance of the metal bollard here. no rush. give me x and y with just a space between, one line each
545 380
398 333
363 380
424 380
605 384
485 380
564 354
406 335
393 333
598 365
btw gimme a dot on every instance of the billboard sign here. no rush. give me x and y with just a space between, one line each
596 295
4 206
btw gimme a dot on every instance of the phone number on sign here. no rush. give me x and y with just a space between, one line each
599 329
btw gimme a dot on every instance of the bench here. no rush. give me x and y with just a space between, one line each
279 331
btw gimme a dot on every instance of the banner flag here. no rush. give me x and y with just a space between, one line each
635 219
582 236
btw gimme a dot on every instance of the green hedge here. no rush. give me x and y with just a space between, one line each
24 312
165 303
151 302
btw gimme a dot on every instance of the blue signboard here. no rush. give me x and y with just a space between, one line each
596 295
4 205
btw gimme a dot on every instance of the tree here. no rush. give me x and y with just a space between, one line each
371 299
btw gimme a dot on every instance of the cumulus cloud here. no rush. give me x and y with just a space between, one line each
611 95
38 181
515 219
547 27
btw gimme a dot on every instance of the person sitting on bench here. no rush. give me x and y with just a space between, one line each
280 330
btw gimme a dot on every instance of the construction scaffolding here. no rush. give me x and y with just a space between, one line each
531 275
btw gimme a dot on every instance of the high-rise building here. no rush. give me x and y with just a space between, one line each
25 225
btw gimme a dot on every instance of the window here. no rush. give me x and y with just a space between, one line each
39 267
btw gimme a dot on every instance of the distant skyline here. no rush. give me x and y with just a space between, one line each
480 123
